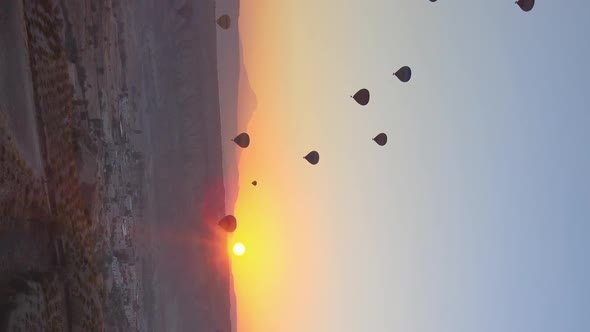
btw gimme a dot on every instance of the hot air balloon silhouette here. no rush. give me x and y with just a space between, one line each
254 183
313 157
403 74
362 97
242 140
228 223
224 22
380 139
526 5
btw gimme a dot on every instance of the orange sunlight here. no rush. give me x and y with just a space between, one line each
258 274
261 277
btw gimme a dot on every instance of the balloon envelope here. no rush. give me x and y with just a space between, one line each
313 157
242 140
526 5
380 139
362 97
254 183
228 223
404 73
224 21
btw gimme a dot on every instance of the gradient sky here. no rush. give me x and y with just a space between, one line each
476 214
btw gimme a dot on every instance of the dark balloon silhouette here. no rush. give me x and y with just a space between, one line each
228 223
526 5
254 183
403 74
432 0
242 140
313 157
224 22
362 97
380 139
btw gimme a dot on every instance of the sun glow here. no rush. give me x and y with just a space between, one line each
239 249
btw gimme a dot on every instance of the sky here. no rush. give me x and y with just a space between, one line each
476 214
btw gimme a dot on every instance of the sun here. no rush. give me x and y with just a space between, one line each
239 249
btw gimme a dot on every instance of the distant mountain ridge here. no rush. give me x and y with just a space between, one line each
237 99
237 105
247 100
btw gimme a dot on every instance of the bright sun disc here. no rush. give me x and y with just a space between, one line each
239 249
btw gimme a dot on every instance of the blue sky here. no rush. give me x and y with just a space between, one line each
501 242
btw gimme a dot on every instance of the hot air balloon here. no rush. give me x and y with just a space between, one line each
362 97
313 157
404 73
228 223
254 183
380 139
526 5
224 22
242 140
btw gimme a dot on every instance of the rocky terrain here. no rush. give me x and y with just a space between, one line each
111 168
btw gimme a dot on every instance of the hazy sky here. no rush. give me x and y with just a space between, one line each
476 214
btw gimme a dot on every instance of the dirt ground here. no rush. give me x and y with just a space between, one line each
111 167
